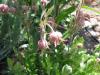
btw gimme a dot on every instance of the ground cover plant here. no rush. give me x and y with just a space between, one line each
49 37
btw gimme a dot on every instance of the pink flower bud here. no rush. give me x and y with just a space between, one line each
12 10
55 37
42 44
4 8
44 2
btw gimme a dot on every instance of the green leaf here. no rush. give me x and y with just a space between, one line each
91 9
63 14
50 10
10 63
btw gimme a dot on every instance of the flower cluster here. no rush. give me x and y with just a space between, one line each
55 38
4 8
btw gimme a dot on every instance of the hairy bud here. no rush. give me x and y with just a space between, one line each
42 44
4 8
44 2
55 37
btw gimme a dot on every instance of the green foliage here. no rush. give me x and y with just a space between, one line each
65 13
15 69
61 60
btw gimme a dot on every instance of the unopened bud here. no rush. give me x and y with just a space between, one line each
42 44
12 10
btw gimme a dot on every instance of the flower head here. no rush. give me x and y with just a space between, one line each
55 37
42 44
44 2
4 8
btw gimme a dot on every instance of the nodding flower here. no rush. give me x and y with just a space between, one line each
4 8
55 37
45 2
42 44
